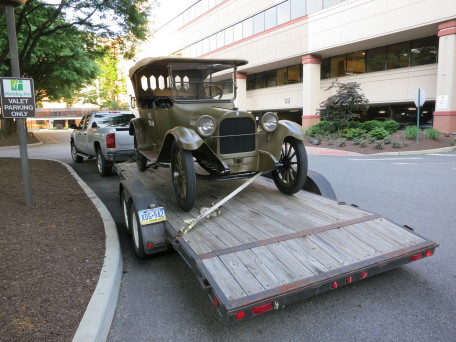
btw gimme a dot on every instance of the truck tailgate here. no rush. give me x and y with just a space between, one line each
266 250
124 140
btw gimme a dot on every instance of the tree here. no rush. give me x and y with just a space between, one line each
58 45
347 104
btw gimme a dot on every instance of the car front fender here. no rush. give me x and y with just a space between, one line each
274 140
186 138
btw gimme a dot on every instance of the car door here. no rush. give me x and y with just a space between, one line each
81 138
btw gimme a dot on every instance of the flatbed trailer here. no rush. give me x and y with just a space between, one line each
265 249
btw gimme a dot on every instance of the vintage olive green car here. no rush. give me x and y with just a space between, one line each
187 114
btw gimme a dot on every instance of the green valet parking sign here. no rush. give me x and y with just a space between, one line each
17 97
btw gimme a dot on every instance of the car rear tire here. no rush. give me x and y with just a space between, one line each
141 161
136 233
74 154
183 177
104 166
292 176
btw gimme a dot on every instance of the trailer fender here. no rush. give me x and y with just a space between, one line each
134 192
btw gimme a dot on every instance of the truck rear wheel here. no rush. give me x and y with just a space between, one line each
292 176
136 233
104 166
183 177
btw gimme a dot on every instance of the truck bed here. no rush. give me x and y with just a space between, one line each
266 249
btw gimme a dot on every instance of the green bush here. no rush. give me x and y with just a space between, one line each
357 141
371 125
387 140
391 126
378 133
410 132
352 133
341 143
379 145
396 145
321 129
432 133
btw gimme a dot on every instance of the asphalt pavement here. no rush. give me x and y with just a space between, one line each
160 300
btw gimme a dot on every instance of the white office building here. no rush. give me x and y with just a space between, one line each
297 48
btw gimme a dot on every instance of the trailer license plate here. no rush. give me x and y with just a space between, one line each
154 215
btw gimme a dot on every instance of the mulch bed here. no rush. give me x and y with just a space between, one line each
51 253
398 137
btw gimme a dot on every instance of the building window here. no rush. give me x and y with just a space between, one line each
298 8
338 66
271 78
276 77
355 63
376 59
398 55
424 51
258 23
259 80
283 12
294 74
314 5
270 18
247 28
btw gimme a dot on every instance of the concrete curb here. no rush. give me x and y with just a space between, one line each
405 153
97 319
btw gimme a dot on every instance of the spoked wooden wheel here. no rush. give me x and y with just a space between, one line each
183 177
290 178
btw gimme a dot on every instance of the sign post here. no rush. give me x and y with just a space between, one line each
15 72
419 100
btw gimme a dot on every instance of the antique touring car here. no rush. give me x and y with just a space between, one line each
187 114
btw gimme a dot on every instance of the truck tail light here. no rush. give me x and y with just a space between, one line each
111 140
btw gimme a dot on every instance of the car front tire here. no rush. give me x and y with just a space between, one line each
292 176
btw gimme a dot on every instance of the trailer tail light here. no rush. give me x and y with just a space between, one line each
150 245
428 253
349 280
240 315
215 301
416 257
111 140
334 285
363 275
262 308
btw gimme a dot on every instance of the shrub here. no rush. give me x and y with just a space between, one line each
371 125
341 143
363 144
378 133
352 133
357 141
379 145
387 140
391 126
321 129
372 140
432 133
410 132
330 142
396 145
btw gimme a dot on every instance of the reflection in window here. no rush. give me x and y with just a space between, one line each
229 35
271 78
282 76
270 18
398 55
283 12
376 59
259 80
298 8
276 77
238 32
424 51
220 39
247 28
258 23
294 74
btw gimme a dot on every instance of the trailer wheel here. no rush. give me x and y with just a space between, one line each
292 176
74 154
136 233
104 166
125 212
183 176
141 161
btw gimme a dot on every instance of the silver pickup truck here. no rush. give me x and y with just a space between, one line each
103 135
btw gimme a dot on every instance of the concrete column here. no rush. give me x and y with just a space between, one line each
445 104
241 91
311 65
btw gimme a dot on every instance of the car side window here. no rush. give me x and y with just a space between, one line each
86 122
81 123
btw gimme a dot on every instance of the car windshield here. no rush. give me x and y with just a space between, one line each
113 120
201 82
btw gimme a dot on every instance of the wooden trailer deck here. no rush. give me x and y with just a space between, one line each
267 246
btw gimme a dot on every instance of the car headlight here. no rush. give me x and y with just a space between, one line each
269 121
205 126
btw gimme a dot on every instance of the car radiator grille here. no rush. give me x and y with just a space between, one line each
237 135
